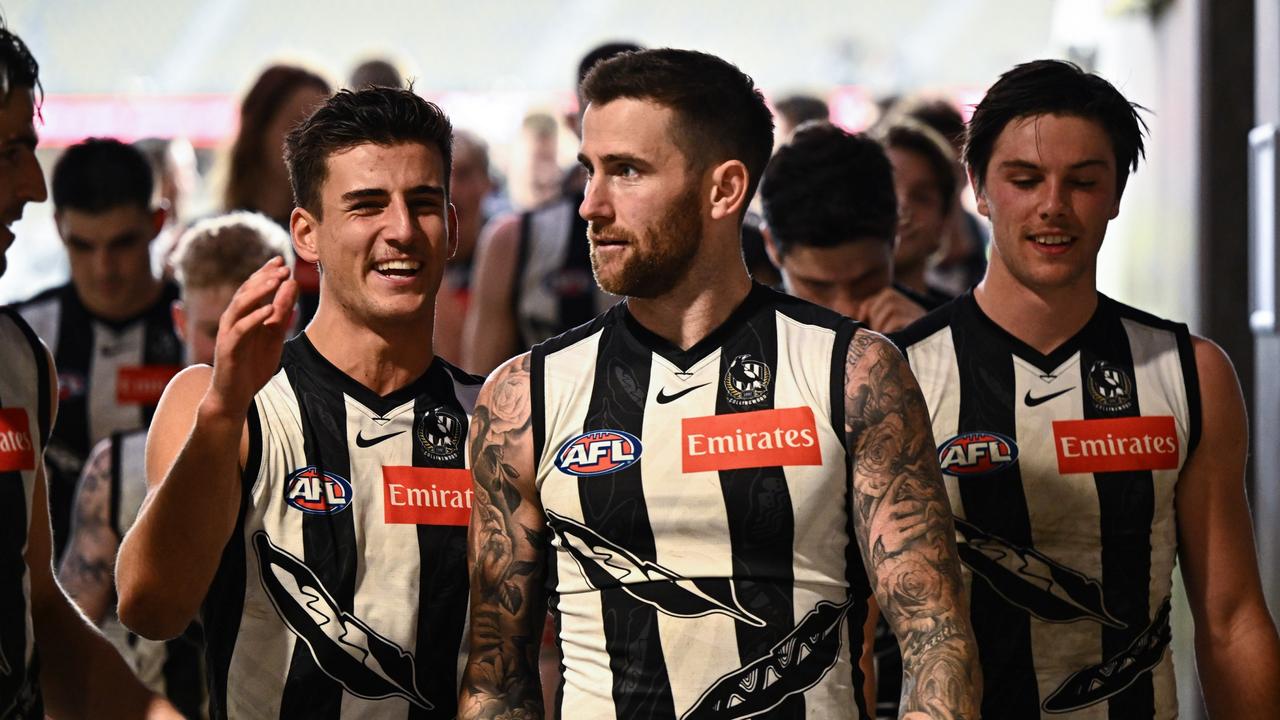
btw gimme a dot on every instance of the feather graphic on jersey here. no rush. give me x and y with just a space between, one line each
343 646
605 564
1032 581
1099 682
795 664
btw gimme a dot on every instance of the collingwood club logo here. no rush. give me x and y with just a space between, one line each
747 381
440 433
1110 387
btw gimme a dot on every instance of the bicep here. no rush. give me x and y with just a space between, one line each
174 418
1216 533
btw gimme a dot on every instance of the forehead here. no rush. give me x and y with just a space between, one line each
383 167
846 261
1051 140
103 226
629 126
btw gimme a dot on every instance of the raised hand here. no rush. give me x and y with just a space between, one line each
251 337
889 311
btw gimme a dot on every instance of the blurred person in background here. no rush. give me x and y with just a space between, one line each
533 270
831 217
51 661
109 327
964 249
255 175
212 259
376 72
536 176
174 166
793 111
925 183
469 185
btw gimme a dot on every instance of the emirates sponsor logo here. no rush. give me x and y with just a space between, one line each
1116 445
17 451
763 438
144 384
426 496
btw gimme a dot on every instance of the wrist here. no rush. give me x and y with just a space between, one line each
215 413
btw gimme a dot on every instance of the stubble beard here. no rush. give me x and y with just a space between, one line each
654 267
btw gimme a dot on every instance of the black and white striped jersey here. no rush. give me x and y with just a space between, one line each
173 668
25 415
343 590
1061 470
110 378
702 562
554 287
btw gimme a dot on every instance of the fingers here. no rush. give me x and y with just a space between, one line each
282 304
256 291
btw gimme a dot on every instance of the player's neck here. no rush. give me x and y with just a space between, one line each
136 304
699 304
383 357
1043 318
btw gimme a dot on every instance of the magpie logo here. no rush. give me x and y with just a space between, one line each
664 398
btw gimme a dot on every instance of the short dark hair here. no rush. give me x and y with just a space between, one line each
827 187
722 114
800 109
939 114
102 174
1055 87
929 144
18 67
378 115
603 52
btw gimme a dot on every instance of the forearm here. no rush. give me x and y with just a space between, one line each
193 510
82 675
1240 669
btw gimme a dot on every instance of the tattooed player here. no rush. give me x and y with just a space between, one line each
708 481
1086 444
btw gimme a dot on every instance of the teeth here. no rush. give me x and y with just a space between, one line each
385 265
1052 239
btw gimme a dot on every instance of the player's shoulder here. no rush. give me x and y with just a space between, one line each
575 335
936 320
48 296
1142 317
802 311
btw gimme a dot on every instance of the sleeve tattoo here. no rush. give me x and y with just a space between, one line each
505 552
905 531
88 567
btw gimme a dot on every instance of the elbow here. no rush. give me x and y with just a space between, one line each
148 614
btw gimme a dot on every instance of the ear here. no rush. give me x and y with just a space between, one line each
158 217
304 228
178 312
979 194
729 182
452 224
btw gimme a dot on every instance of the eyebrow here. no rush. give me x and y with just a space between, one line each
612 158
379 193
1028 165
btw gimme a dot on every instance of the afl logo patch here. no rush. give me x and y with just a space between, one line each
598 452
976 453
440 434
1110 387
316 493
747 381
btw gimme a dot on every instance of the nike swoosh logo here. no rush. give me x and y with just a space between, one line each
664 398
370 442
1034 401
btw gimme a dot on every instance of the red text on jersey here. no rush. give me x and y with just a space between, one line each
144 384
426 496
17 452
763 438
1116 444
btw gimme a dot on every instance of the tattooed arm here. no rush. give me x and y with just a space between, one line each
905 531
505 548
87 571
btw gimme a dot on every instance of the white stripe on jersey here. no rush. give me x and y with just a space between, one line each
112 351
933 362
44 317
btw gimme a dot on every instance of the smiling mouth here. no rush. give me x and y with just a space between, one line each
397 268
1051 240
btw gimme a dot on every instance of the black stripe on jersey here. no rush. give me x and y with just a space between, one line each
442 579
224 603
183 681
616 501
997 504
760 518
1126 506
328 541
577 308
1191 379
117 485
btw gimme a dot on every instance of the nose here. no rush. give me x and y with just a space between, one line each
595 205
400 222
1055 201
31 186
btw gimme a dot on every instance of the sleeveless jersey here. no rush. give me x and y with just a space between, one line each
173 668
702 562
342 592
110 377
24 430
1061 470
554 287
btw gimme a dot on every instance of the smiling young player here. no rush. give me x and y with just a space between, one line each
706 482
1086 445
313 495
